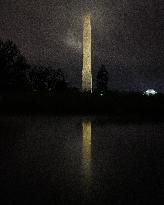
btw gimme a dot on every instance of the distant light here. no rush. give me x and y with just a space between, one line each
101 94
150 92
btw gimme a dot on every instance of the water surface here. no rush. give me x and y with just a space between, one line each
80 159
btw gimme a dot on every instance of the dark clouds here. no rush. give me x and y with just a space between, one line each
128 36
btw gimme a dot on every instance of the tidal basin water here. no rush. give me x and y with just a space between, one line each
80 159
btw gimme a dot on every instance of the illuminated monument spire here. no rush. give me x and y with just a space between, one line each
86 72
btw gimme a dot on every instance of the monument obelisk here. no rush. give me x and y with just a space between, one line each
86 71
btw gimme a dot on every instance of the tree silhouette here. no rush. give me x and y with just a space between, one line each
16 74
102 79
47 78
39 77
60 83
13 67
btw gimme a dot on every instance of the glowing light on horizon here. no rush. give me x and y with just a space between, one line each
86 72
150 92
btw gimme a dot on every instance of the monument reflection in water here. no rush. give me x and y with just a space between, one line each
86 154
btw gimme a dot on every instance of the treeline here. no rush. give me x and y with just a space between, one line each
17 75
48 90
13 67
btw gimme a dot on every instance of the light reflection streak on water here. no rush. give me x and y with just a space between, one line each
86 154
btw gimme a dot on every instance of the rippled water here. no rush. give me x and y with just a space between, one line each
78 159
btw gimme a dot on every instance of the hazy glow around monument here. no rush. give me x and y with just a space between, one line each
86 72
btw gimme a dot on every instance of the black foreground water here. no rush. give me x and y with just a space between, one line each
80 160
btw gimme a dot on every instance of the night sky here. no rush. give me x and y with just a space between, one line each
127 36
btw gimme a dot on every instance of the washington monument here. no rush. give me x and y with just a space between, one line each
86 72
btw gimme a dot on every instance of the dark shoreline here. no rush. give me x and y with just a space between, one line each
119 108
